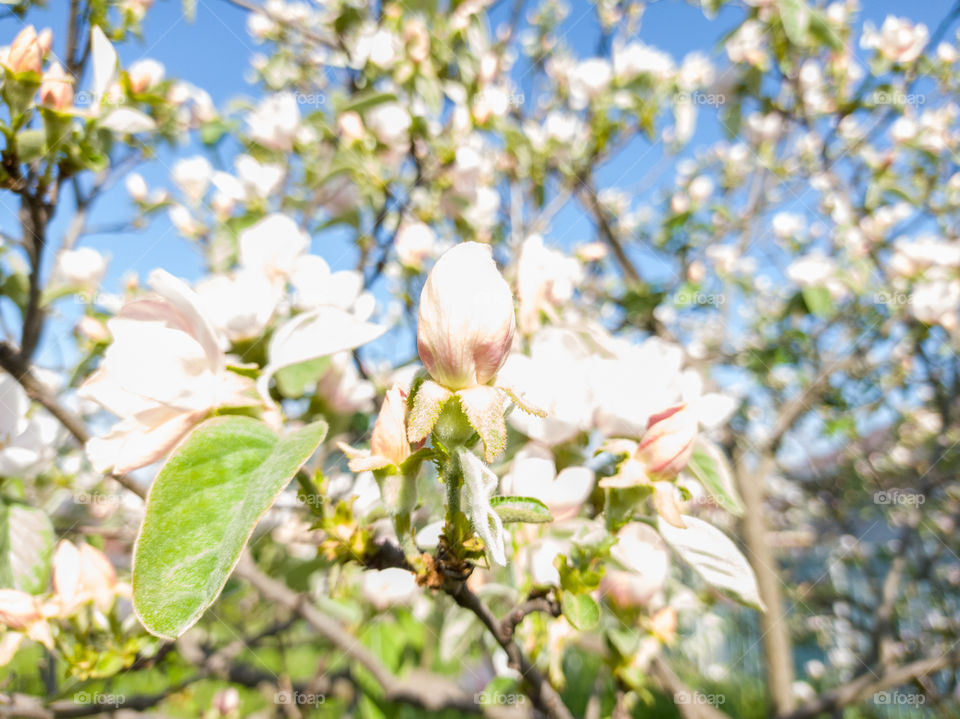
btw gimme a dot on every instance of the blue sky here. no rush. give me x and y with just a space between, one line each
214 50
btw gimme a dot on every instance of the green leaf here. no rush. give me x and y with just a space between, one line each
299 379
521 509
796 19
715 557
712 470
821 30
580 610
31 144
365 101
818 300
202 508
26 545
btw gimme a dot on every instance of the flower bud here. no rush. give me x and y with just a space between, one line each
466 321
45 41
350 127
145 74
667 444
18 610
25 54
56 90
226 701
663 624
82 574
389 439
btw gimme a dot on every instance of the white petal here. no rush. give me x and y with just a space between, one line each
104 63
128 121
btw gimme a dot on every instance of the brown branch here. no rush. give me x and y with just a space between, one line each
302 31
868 684
547 605
541 692
681 694
19 368
588 196
422 689
776 635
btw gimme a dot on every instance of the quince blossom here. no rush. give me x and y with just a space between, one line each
163 374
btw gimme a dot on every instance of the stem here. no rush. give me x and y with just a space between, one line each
402 524
453 481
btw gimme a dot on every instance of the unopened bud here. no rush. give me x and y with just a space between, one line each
663 624
226 701
56 90
45 40
145 74
18 610
25 53
389 439
466 322
667 445
350 127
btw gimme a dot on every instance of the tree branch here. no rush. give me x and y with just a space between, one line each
541 692
776 635
867 684
19 368
426 691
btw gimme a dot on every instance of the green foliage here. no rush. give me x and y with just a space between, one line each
202 508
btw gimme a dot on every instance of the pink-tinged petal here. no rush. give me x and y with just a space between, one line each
189 306
66 575
141 440
9 643
466 321
97 577
18 610
667 445
665 501
389 438
362 460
